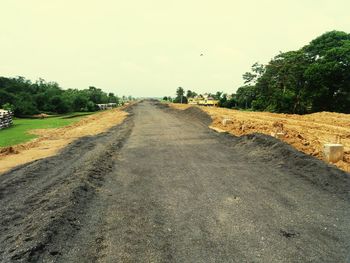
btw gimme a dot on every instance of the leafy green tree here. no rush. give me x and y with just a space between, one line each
113 98
25 106
59 105
6 97
91 106
30 98
217 95
227 102
8 107
191 94
313 78
180 92
180 98
257 71
328 74
245 96
80 102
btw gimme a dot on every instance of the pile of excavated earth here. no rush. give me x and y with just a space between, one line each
307 133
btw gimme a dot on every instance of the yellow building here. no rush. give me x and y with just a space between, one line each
203 100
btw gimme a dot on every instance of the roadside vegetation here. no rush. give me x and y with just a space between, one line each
26 98
312 79
19 132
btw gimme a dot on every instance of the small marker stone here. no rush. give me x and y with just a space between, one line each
333 152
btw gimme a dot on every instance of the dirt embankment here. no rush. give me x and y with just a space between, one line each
307 133
43 204
50 141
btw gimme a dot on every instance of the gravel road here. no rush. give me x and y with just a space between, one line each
163 187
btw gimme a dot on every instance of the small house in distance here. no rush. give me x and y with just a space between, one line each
5 119
107 106
203 100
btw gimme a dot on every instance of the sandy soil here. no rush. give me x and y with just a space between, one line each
50 141
307 133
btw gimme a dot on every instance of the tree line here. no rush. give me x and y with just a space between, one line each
24 97
313 78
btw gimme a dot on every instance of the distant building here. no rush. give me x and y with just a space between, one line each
204 100
5 119
107 106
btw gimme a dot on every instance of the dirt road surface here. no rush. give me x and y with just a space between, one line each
162 187
307 133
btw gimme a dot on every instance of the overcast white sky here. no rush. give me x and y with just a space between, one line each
149 48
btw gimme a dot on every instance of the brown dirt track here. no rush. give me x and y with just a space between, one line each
307 133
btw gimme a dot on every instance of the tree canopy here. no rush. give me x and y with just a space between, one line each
180 96
313 78
27 98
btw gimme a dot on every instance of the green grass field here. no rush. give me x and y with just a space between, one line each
18 132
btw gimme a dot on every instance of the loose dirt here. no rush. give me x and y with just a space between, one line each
163 187
307 133
50 141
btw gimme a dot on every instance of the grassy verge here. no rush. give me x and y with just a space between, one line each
19 131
